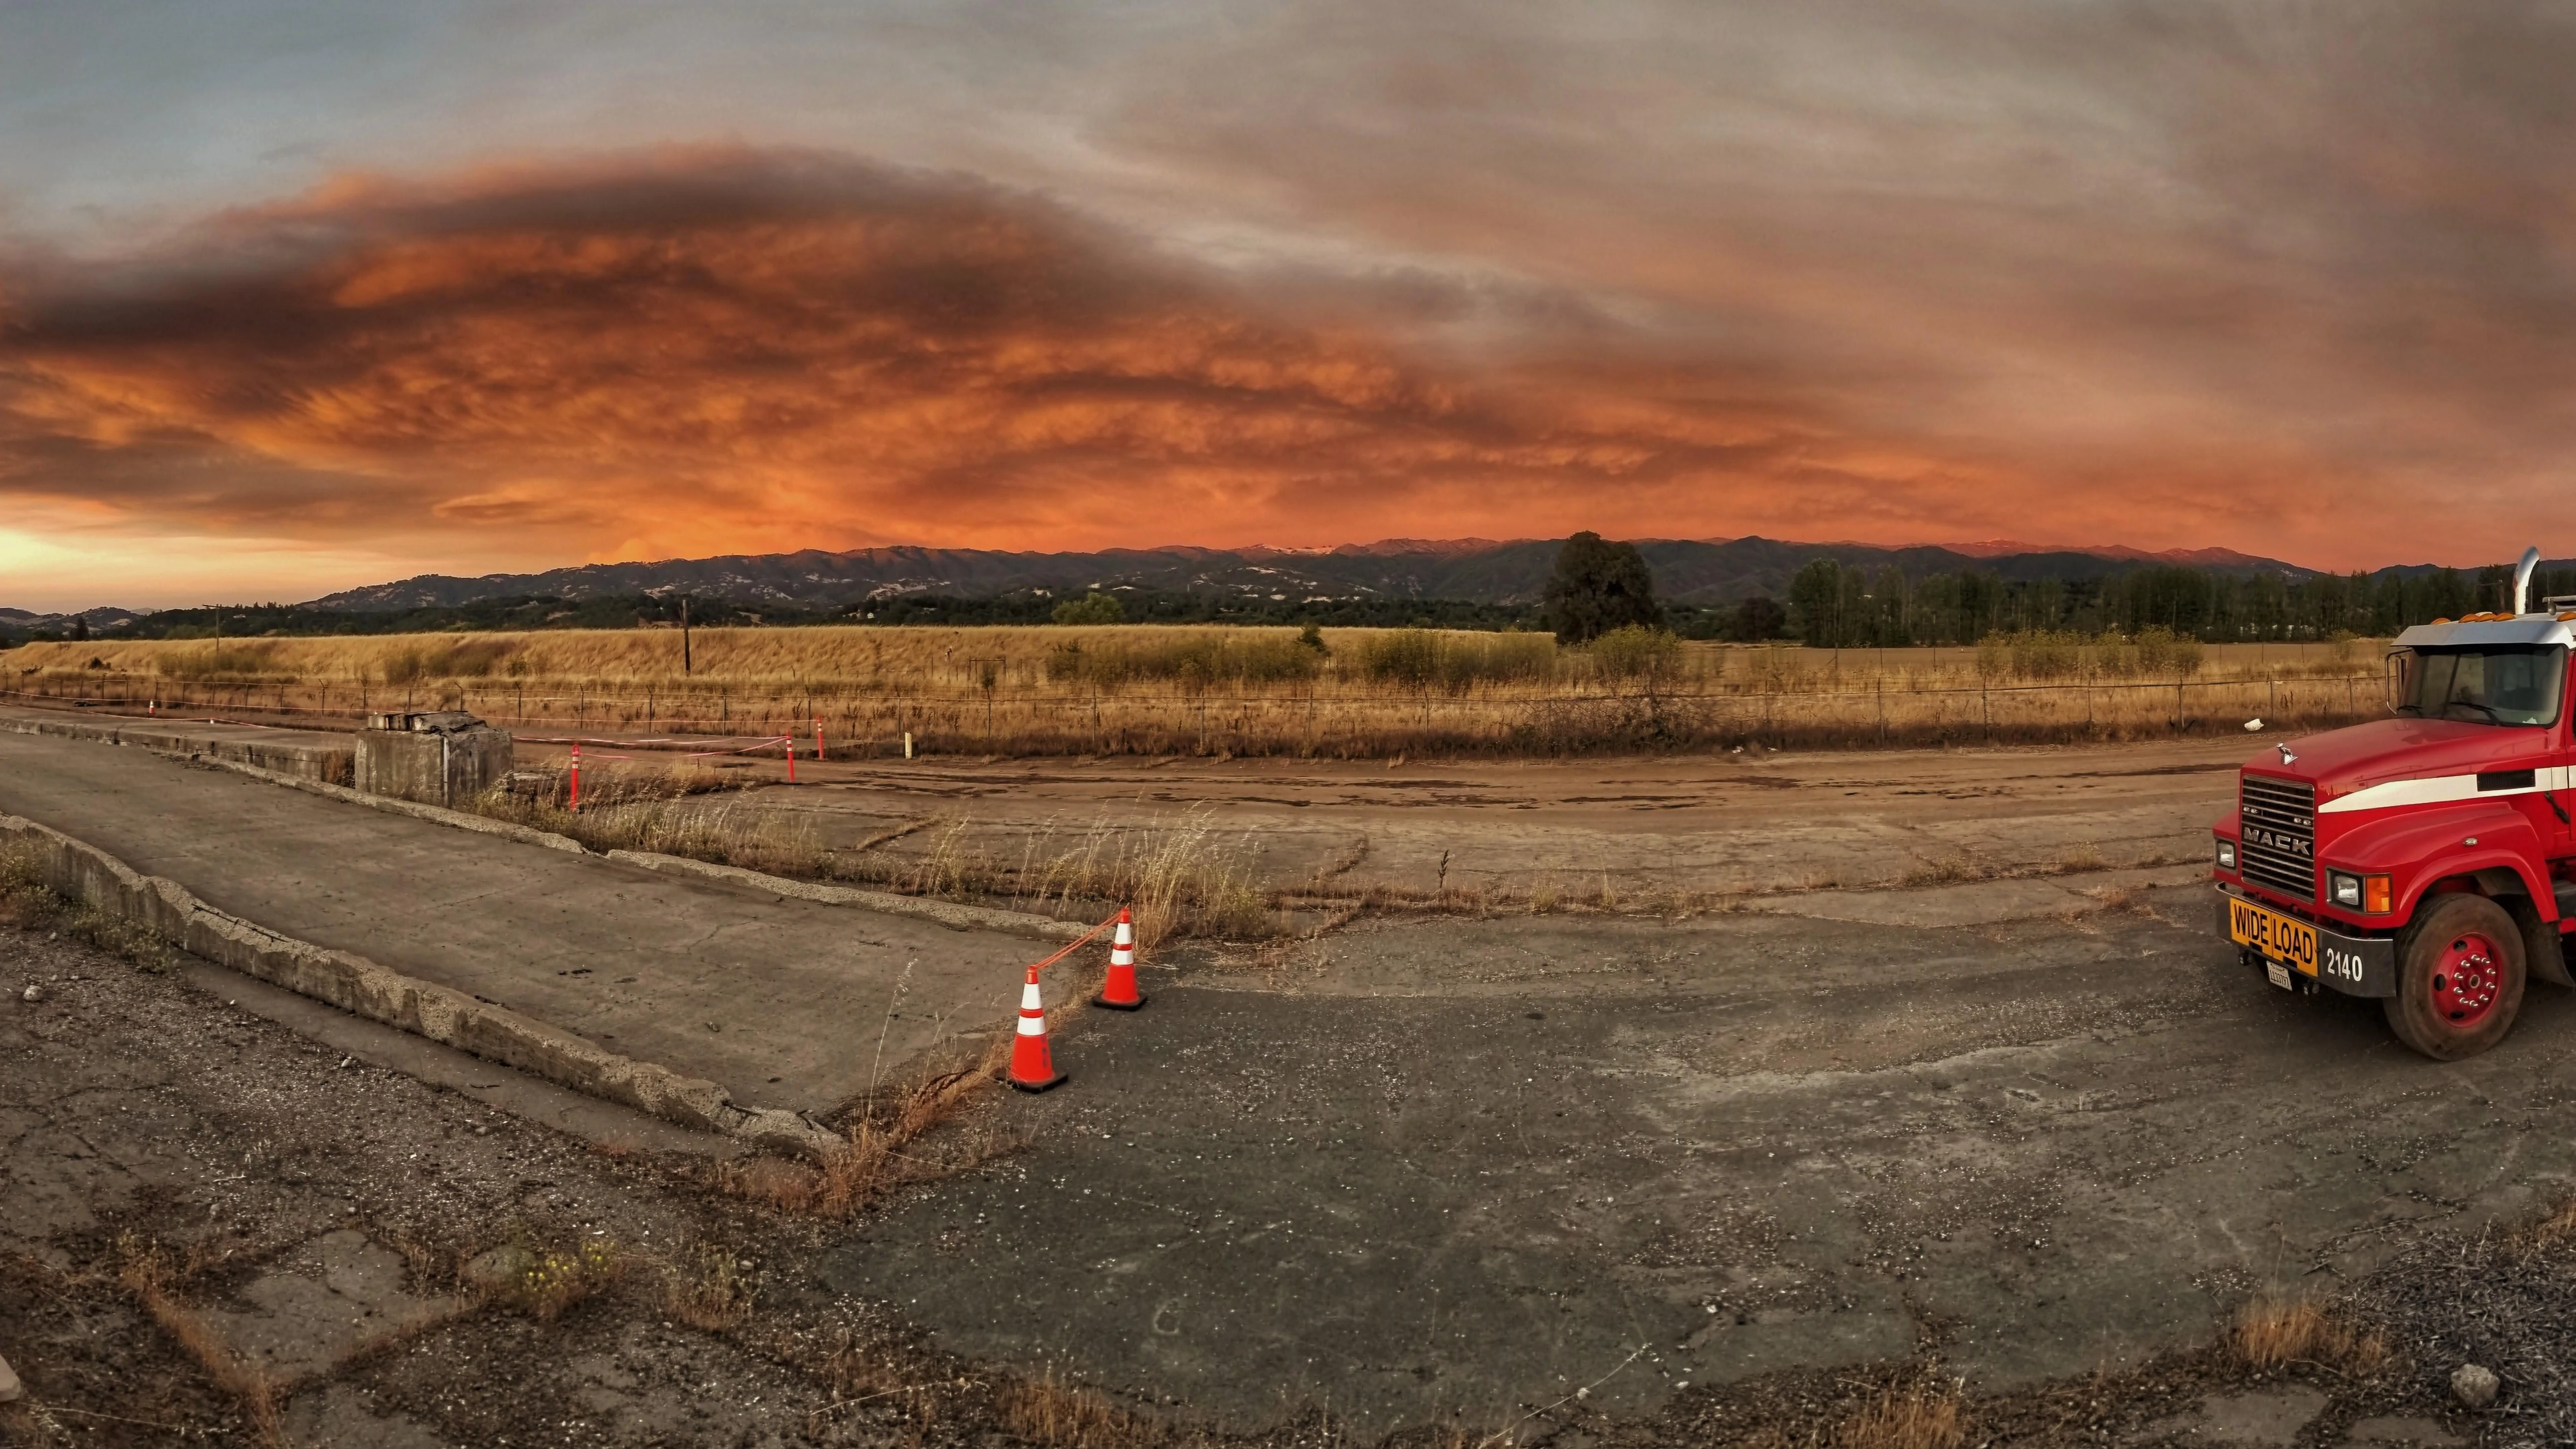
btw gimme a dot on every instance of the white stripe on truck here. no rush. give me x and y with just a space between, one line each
2441 790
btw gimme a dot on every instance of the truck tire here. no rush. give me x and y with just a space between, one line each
2460 976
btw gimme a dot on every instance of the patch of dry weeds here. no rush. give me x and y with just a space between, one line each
880 1151
707 1289
144 1271
2271 1333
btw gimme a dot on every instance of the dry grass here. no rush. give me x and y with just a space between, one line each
1211 690
1055 1414
629 815
1179 874
1925 1414
2549 1236
707 1289
2273 1333
882 1150
146 1274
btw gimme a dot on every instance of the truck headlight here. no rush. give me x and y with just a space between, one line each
2226 853
2369 894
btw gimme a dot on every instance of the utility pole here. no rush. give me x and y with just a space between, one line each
684 634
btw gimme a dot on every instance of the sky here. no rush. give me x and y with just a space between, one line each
296 296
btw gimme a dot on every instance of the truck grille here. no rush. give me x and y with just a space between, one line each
2279 849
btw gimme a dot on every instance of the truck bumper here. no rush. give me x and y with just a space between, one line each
2352 965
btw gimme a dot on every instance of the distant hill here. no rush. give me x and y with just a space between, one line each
19 623
1694 571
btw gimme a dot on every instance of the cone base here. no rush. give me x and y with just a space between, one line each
1058 1080
1108 1005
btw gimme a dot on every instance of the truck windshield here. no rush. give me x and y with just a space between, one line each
2505 684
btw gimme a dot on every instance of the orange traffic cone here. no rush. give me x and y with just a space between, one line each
1118 991
1032 1070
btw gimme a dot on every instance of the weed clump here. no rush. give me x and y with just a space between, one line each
881 1149
1924 1414
1051 1412
550 1281
2273 1333
707 1289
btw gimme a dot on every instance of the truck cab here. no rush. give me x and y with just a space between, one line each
2427 859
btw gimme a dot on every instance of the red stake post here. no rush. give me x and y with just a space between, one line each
818 737
791 757
576 776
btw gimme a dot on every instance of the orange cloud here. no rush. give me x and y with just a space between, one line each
694 352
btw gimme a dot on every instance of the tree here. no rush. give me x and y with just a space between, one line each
1759 618
1600 586
1094 608
1816 603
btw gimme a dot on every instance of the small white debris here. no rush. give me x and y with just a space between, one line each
33 993
2253 726
2474 1385
344 1061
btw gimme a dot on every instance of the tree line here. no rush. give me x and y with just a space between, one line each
1834 605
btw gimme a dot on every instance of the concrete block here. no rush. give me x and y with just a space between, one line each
444 758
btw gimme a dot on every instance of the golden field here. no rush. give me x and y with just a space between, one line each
1215 690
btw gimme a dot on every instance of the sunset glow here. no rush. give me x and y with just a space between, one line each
1310 277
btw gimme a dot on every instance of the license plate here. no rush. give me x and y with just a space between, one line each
2281 940
2279 973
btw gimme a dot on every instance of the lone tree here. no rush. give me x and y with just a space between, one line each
1598 587
1092 608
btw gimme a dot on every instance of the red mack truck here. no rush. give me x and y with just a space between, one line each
2427 859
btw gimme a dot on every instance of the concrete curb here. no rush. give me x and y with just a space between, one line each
363 988
392 805
300 761
946 913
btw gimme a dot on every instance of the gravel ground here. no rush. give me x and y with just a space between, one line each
218 1230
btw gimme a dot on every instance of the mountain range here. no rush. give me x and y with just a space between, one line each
1693 571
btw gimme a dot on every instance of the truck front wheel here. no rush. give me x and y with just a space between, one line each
2460 975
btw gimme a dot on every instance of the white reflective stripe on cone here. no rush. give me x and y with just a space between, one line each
1121 956
1033 1026
1126 935
1029 998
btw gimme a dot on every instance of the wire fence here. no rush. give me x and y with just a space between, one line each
1327 720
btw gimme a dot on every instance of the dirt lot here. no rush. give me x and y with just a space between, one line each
1939 1157
1642 828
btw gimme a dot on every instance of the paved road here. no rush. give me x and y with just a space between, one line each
1452 1164
779 1001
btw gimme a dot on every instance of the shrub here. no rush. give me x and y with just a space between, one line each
1091 608
2162 651
1424 658
1196 661
1634 651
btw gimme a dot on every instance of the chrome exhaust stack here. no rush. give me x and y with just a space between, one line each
2522 579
